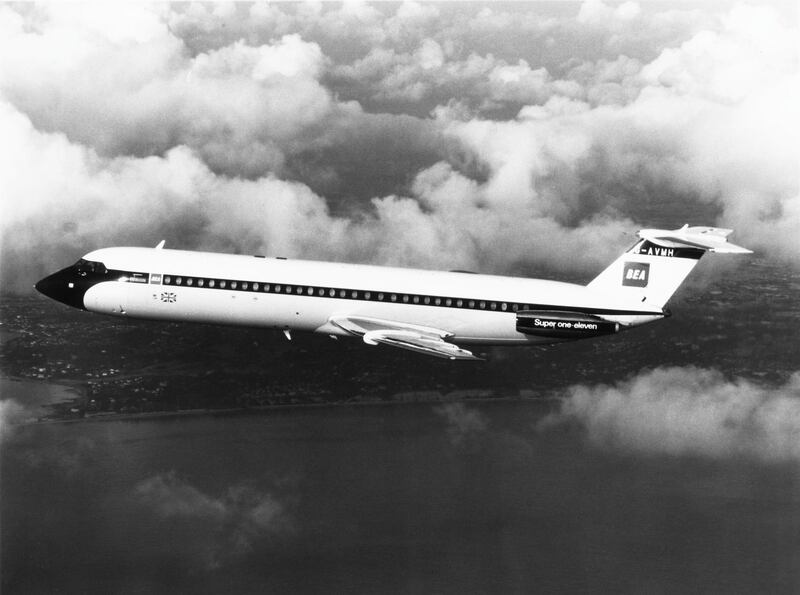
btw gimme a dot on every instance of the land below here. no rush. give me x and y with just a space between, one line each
98 366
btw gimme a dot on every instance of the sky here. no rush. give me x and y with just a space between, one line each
503 138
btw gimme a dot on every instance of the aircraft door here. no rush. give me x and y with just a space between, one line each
146 296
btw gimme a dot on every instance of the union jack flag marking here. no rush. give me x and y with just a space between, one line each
168 296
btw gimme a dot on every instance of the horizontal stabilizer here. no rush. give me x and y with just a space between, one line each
655 266
713 239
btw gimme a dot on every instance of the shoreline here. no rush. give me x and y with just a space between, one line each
77 393
184 413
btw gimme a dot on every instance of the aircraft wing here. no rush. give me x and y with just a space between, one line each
421 339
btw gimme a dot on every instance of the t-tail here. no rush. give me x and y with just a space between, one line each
656 265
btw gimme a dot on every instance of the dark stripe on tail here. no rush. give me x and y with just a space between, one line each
649 248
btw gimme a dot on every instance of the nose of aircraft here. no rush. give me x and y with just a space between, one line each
62 287
47 286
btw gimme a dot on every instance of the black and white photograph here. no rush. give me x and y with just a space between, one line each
400 297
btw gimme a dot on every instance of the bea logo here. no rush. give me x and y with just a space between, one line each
635 274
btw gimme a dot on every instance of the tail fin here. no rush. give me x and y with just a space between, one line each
659 262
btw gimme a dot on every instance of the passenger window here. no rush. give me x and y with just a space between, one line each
167 280
244 285
178 280
472 303
189 281
438 301
394 297
367 295
354 294
459 303
416 299
233 284
255 286
332 292
212 283
493 305
504 306
427 299
380 297
222 284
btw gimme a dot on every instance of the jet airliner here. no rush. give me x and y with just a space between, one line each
431 312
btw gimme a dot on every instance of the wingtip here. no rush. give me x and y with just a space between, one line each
728 248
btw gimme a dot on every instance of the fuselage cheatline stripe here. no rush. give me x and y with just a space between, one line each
368 295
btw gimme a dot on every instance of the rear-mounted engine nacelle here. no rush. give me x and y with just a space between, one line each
563 325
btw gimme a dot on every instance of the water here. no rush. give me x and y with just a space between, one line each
35 398
411 498
421 498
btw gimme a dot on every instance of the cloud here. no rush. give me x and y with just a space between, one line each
687 412
464 424
714 121
229 525
169 497
11 413
598 13
68 458
241 107
90 200
427 76
500 139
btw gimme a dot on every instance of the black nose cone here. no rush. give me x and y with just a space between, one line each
64 287
47 286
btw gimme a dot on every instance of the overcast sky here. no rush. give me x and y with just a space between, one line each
498 137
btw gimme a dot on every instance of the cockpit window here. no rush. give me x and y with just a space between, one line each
89 267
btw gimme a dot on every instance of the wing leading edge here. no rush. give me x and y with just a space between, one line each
422 339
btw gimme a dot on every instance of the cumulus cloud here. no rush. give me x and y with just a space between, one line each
233 522
707 121
240 106
11 413
598 13
68 458
464 424
427 76
455 136
86 199
687 412
170 497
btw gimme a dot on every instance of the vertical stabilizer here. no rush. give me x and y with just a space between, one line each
653 268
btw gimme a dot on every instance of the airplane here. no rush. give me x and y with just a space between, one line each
431 312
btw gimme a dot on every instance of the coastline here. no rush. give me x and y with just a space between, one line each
404 398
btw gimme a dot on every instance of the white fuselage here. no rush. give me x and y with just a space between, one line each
305 295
